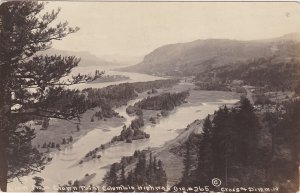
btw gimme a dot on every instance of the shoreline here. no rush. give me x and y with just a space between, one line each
60 129
163 152
173 164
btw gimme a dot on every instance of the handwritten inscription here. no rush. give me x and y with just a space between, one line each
149 188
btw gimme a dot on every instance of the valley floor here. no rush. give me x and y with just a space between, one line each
173 164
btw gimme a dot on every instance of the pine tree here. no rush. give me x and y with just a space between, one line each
187 161
45 124
154 163
64 141
24 31
218 139
123 177
130 179
113 175
150 168
247 128
161 176
44 145
140 170
204 167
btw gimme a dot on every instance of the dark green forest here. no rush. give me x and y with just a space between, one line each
118 95
164 101
148 170
243 149
106 98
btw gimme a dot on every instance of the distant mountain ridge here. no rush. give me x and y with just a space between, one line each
87 59
194 57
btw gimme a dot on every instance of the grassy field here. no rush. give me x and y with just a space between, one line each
59 129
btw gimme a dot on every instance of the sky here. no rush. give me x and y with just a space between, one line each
137 28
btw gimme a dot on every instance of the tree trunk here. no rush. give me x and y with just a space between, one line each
3 160
5 100
226 171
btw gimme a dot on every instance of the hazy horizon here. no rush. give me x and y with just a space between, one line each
133 29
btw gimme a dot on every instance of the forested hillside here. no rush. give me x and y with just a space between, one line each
264 72
244 149
186 59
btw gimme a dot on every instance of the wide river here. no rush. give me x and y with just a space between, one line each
64 165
